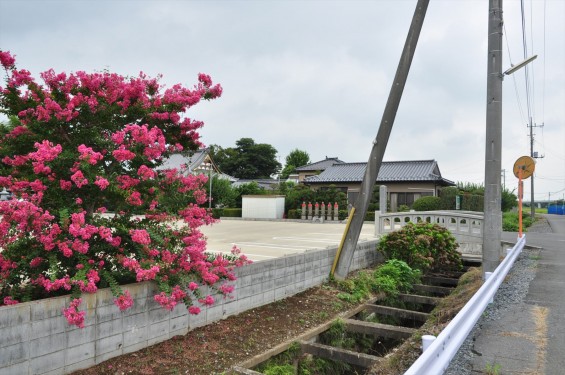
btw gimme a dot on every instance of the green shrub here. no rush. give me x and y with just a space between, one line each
428 203
402 275
403 208
232 212
423 246
342 214
294 214
217 213
370 216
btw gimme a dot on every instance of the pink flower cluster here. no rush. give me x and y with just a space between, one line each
75 317
124 301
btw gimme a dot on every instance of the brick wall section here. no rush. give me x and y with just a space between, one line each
35 338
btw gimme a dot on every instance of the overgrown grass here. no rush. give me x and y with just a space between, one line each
510 221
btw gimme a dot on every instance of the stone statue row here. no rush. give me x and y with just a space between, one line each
320 212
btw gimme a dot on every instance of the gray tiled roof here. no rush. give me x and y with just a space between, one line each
177 160
391 171
319 165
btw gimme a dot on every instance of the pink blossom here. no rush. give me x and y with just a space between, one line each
134 199
89 155
65 185
101 182
124 301
122 154
79 179
192 286
73 315
194 310
35 262
7 60
145 172
209 300
9 301
140 236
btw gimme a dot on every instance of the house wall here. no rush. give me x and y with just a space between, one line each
35 338
393 189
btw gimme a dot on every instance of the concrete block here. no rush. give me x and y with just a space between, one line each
196 321
109 344
258 278
309 256
16 368
179 310
268 284
280 272
109 328
47 344
249 291
280 293
157 339
299 276
269 296
14 354
244 303
14 334
108 312
157 315
134 321
245 281
230 308
78 336
48 308
157 329
49 362
47 327
214 313
290 289
291 260
257 300
15 315
299 268
139 306
79 365
135 347
308 266
135 334
279 263
80 354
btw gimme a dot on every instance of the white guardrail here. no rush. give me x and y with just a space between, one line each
438 355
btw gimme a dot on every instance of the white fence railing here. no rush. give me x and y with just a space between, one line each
459 223
436 359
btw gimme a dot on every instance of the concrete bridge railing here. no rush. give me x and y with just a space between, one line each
466 226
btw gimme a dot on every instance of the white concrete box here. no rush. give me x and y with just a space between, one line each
262 206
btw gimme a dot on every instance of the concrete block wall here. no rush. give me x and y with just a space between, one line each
35 337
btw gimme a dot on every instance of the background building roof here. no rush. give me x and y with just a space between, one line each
319 165
391 171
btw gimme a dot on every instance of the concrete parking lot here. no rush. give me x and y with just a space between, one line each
261 240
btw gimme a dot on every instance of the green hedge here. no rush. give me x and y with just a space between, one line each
231 212
427 204
294 214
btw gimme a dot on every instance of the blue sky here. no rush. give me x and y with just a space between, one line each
315 75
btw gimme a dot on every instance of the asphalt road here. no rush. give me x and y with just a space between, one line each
261 240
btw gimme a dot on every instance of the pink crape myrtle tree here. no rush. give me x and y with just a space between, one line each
80 144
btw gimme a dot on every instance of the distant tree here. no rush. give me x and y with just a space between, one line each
247 160
296 158
251 188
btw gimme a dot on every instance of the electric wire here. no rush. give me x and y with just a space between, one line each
518 100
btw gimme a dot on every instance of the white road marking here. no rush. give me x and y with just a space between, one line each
302 239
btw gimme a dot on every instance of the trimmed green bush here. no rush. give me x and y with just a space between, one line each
427 204
370 216
231 212
294 214
423 246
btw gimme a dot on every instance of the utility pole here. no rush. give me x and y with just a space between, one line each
353 228
492 229
535 156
